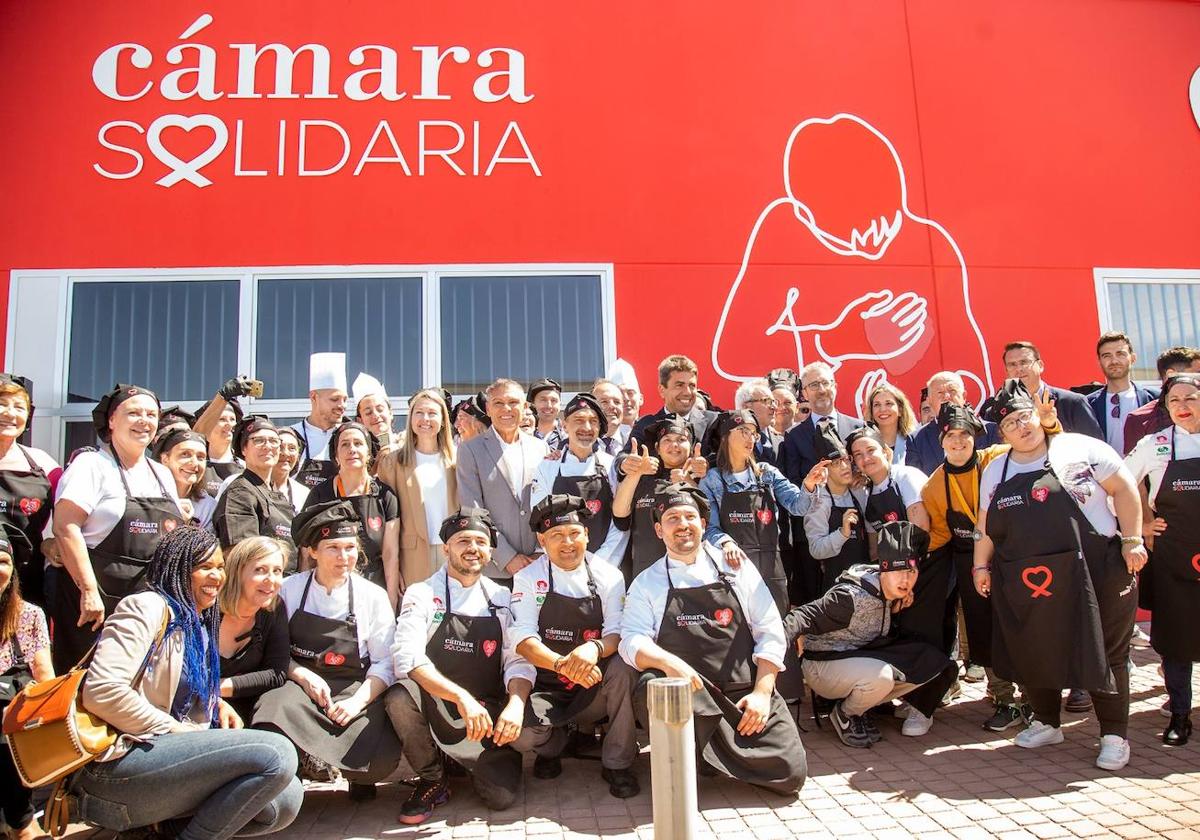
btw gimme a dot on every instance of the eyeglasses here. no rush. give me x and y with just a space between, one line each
264 442
768 401
1021 364
819 385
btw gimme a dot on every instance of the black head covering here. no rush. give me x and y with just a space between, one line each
901 546
1010 398
584 400
234 405
951 416
542 385
730 420
709 404
667 495
784 378
248 425
447 398
303 448
372 441
168 440
108 404
325 521
865 432
672 424
22 382
175 414
558 509
827 445
1178 379
476 407
469 519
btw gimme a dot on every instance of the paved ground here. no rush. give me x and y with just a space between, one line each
957 781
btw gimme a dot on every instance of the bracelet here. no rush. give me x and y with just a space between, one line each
558 664
599 643
1132 541
987 569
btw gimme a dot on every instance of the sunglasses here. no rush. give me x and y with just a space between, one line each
1115 399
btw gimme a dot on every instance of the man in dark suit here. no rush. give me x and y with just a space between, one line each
1022 360
925 448
755 395
797 457
677 385
1112 404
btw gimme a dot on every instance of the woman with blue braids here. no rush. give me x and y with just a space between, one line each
178 769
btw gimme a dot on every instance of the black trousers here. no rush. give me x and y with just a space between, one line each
16 800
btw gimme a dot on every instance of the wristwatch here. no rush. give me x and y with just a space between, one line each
977 535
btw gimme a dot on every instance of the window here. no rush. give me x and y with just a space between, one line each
1156 308
184 332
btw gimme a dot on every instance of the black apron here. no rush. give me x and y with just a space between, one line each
368 746
751 517
217 471
564 623
596 492
13 680
854 551
25 506
646 545
313 472
371 514
706 627
886 506
467 651
1175 567
977 610
1055 583
280 512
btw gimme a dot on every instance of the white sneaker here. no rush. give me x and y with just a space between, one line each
1039 734
903 710
916 724
1140 639
1114 752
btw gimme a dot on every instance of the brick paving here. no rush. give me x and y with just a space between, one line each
958 781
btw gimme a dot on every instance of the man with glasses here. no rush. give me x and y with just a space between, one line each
1022 360
785 388
925 450
755 395
1112 404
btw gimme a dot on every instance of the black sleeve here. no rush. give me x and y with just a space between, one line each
237 515
323 492
390 502
832 611
271 669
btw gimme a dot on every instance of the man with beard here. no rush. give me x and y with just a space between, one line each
1120 395
695 616
545 396
678 389
462 687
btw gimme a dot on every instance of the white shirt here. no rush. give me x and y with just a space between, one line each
512 456
316 441
431 477
647 601
93 484
1114 427
1081 463
372 609
532 582
422 612
203 509
1152 453
612 550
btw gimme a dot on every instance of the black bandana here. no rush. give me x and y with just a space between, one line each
558 509
1177 379
672 424
108 404
581 401
869 432
542 385
164 443
730 420
476 407
372 441
325 521
250 424
901 546
1013 397
667 496
951 416
468 519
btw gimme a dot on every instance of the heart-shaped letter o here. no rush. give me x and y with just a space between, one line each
189 170
1194 95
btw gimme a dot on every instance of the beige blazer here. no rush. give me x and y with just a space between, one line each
414 534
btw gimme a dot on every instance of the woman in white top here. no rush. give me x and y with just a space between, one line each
889 411
113 505
182 451
422 472
1170 459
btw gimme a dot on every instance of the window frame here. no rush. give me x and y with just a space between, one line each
1104 276
38 334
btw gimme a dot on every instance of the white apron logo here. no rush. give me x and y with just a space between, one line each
1009 501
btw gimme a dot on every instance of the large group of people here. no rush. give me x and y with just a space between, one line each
256 603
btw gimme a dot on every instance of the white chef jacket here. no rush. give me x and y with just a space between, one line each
1152 453
533 581
612 550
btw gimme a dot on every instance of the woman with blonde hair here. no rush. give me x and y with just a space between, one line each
889 411
254 641
422 472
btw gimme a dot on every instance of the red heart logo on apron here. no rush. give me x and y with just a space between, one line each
724 616
567 684
1041 493
1038 589
588 635
593 505
169 525
489 647
334 659
764 516
30 506
1196 563
375 523
892 516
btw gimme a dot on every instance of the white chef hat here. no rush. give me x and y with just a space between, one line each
366 385
327 371
621 373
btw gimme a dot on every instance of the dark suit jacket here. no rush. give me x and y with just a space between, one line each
1144 421
766 450
925 448
1074 413
798 455
697 418
1098 402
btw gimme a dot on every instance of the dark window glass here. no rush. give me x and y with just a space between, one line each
178 338
522 328
1155 316
375 321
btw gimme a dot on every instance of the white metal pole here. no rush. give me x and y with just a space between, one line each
672 758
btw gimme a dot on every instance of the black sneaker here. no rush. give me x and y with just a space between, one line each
849 728
1006 715
621 783
1078 700
427 795
872 730
546 767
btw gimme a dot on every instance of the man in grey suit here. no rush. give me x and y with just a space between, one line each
495 471
1022 360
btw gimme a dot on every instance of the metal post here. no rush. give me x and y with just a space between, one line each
672 758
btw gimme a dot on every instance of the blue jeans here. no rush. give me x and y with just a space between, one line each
230 782
1178 677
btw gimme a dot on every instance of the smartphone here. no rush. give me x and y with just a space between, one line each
256 388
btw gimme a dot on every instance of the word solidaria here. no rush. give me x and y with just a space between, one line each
122 73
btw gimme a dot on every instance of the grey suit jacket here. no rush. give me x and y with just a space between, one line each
483 481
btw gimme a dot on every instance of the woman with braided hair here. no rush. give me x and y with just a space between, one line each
177 769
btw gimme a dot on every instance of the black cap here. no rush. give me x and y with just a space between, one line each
827 445
730 420
468 519
1014 396
108 403
667 495
325 521
174 414
22 382
672 424
951 416
901 546
248 425
584 400
1180 379
869 432
560 509
372 441
542 385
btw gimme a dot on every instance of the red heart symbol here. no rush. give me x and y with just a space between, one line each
1041 493
30 506
1196 563
375 523
169 525
566 682
489 647
892 516
588 635
593 505
764 516
541 586
723 616
334 659
1038 589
